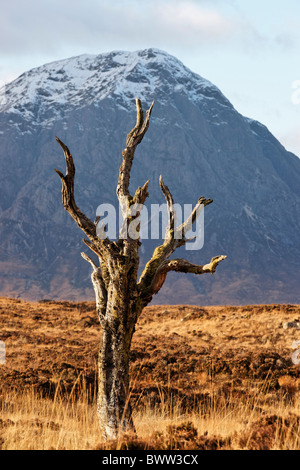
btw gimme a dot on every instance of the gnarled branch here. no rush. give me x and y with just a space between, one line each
134 137
68 195
97 244
178 265
170 231
186 226
132 206
175 237
99 288
141 194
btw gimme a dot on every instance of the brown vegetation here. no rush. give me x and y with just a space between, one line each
201 377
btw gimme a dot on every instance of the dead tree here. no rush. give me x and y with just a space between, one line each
120 294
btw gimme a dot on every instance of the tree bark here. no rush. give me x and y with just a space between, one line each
118 309
113 404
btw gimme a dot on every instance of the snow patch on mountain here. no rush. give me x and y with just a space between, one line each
46 93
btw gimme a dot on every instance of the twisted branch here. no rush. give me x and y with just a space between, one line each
156 270
178 265
134 137
175 237
96 244
170 231
131 206
68 199
99 289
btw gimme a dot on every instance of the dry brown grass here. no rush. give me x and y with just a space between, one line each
30 421
201 378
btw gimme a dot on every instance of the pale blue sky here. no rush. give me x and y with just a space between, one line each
249 48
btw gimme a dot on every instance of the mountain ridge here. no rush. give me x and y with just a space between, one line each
96 77
196 140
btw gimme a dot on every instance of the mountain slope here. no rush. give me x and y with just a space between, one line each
196 140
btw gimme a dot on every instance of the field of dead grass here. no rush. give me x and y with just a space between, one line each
201 377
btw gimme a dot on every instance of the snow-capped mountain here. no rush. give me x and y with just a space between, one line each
46 93
196 140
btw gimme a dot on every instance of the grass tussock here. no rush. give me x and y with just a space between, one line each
213 378
30 421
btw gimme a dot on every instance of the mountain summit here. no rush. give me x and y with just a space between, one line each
196 140
54 88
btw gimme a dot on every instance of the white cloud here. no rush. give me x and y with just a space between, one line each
34 32
191 18
54 27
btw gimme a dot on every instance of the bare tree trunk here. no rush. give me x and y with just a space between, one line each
113 404
120 295
118 310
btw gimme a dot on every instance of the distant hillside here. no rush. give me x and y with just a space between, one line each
196 140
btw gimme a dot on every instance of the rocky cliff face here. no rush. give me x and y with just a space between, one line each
196 140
